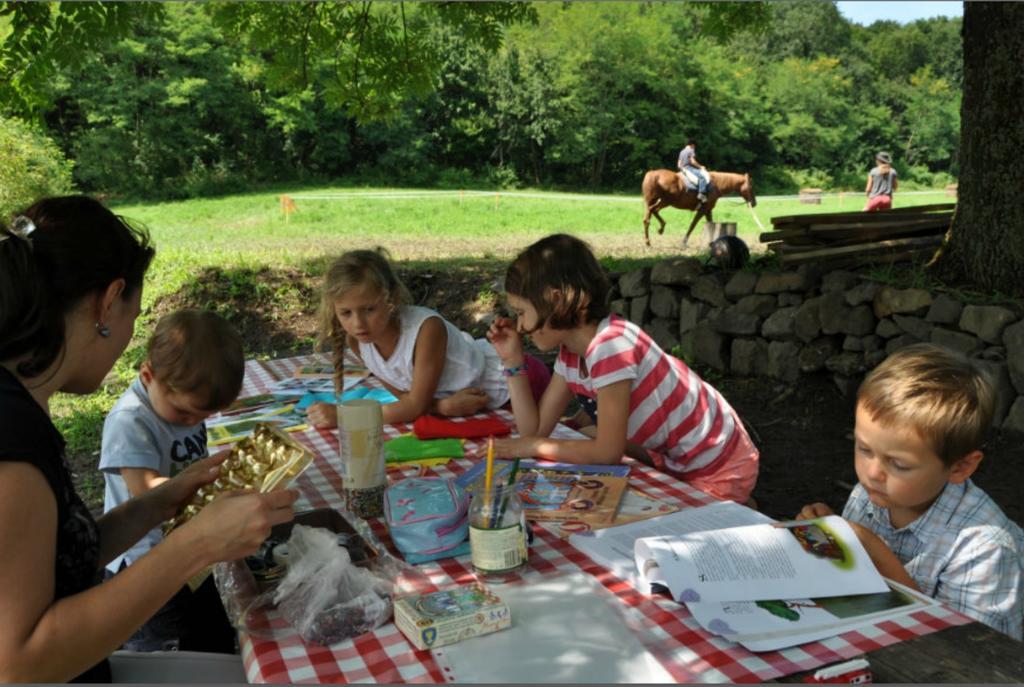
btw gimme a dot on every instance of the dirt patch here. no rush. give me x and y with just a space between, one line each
804 431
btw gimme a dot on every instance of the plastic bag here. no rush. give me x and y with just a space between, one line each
324 596
249 603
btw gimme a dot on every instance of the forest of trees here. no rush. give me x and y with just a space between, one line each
200 100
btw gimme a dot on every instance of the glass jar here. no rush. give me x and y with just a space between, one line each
497 532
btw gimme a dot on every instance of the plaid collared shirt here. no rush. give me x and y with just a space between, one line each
963 551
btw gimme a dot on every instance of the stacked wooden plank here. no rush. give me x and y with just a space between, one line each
888 235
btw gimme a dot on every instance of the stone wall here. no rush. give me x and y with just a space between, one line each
800 322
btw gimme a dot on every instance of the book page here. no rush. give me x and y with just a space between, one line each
614 547
769 625
765 626
819 557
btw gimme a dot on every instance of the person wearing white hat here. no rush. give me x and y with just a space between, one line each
881 184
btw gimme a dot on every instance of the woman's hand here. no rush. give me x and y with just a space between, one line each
167 498
463 402
235 524
323 415
814 510
506 341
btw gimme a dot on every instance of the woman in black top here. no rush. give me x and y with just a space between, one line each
70 289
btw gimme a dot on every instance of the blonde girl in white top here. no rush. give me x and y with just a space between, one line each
429 364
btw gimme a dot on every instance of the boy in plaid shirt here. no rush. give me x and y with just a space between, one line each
921 418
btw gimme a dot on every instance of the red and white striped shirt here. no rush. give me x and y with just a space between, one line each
672 411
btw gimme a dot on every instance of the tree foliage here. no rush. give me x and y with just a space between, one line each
31 166
188 98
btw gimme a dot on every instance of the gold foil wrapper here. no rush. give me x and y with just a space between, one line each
264 461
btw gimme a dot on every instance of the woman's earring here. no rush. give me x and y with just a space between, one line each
103 330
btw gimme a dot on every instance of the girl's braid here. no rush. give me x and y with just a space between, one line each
338 351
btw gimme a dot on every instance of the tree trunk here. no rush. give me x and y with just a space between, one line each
986 243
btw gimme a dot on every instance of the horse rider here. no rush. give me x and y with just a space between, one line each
881 184
688 163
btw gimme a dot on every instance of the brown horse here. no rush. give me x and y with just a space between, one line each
663 188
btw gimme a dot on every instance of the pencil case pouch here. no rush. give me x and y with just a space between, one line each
428 518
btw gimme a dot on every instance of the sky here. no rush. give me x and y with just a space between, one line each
903 12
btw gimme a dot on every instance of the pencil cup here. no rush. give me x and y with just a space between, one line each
361 441
497 532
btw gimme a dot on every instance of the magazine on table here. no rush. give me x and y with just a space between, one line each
787 560
325 370
293 386
559 491
634 506
228 428
250 403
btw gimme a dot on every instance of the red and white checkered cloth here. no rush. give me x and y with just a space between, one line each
687 652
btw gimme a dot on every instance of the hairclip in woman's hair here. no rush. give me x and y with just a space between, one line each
22 226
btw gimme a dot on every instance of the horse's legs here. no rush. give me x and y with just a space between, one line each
647 224
659 206
696 218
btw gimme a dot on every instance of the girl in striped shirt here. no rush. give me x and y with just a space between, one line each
644 397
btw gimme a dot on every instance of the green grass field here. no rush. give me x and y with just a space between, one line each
250 230
438 225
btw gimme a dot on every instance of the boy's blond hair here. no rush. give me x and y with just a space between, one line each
942 396
199 353
353 269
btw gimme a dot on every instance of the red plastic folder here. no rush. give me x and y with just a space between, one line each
433 427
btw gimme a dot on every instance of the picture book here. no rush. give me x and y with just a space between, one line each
298 386
228 428
767 625
635 506
787 560
613 547
559 491
257 401
325 370
761 625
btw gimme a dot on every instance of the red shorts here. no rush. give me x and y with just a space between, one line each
878 203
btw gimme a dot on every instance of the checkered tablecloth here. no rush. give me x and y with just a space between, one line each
687 652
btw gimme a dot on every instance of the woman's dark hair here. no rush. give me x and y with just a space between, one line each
564 264
59 251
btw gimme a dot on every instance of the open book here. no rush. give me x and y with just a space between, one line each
775 624
788 560
759 625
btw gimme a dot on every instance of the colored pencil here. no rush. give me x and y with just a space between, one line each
510 486
512 476
489 474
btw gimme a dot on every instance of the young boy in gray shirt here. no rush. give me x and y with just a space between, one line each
194 367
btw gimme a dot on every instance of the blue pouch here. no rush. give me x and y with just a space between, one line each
428 518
